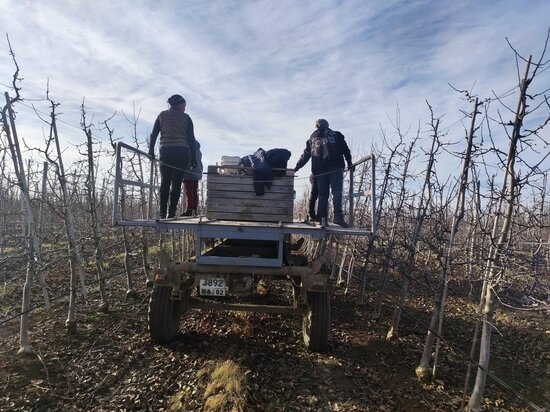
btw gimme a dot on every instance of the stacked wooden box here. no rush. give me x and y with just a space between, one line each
231 196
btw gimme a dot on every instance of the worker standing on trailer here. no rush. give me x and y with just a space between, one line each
177 152
328 150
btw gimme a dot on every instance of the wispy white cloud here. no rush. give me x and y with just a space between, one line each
259 73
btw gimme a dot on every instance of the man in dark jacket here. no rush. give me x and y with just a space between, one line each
327 149
177 151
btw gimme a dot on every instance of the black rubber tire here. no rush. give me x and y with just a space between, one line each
316 321
164 315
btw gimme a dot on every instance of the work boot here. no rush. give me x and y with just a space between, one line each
162 213
171 212
313 217
188 212
339 220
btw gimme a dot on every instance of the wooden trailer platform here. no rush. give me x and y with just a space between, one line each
235 213
244 237
201 224
207 230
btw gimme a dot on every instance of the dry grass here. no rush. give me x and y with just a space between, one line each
242 324
225 389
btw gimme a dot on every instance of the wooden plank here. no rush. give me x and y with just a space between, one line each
249 216
240 205
240 179
232 197
247 187
222 194
237 207
258 201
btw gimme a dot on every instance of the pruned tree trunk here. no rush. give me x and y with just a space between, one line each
40 273
538 257
424 202
422 370
92 204
77 269
494 260
130 291
32 239
376 218
473 244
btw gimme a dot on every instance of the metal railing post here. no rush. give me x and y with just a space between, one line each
351 197
151 180
118 172
374 219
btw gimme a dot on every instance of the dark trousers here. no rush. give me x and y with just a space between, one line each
191 188
314 194
333 179
174 162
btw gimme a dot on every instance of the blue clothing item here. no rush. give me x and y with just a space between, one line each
261 162
195 173
278 159
334 180
262 176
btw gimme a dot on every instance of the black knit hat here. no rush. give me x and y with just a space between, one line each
321 124
175 100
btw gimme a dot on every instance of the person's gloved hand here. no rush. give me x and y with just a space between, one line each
193 164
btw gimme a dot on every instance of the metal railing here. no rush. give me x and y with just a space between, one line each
371 193
120 182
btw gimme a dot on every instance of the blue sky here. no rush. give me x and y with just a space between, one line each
259 73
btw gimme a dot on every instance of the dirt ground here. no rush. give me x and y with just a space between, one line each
258 362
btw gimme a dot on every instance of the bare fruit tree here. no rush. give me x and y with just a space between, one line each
436 322
418 221
519 140
92 205
32 239
33 246
75 258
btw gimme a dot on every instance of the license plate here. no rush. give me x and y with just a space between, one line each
212 287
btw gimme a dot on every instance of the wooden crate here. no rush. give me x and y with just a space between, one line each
232 197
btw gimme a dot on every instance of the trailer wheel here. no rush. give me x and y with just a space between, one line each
164 315
316 321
